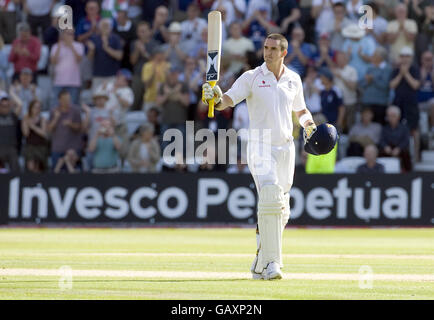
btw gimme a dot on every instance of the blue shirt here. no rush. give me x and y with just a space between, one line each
426 90
103 64
308 51
405 95
257 33
368 48
331 100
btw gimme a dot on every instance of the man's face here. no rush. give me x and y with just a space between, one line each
24 35
65 99
272 51
92 8
143 31
161 15
25 79
122 17
236 31
339 11
405 59
298 34
401 12
370 153
173 77
367 116
4 106
427 60
105 27
192 12
393 117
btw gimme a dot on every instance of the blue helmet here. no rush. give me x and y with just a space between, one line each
323 140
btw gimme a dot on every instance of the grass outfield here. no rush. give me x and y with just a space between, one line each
213 264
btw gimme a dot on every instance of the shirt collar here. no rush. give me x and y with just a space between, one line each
265 70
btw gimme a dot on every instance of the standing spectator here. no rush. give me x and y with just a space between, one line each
395 139
192 27
105 50
331 100
193 78
160 25
34 128
426 90
336 24
379 26
173 100
288 16
353 7
400 32
51 34
8 19
144 153
235 9
98 114
153 74
299 52
105 146
322 12
65 128
126 30
311 89
88 25
65 58
25 90
9 133
405 81
79 9
359 48
38 14
363 133
176 51
324 56
25 51
371 166
425 39
236 48
345 78
374 87
141 50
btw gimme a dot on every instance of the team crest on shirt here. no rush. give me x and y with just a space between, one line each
264 85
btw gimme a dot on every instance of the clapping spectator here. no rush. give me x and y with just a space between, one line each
374 86
25 90
126 30
175 50
299 52
234 9
192 26
160 25
144 153
359 47
66 132
88 25
105 50
371 166
38 14
289 15
99 113
105 146
323 57
363 133
65 58
34 128
401 32
331 100
345 78
322 12
405 81
236 48
395 138
9 133
335 25
25 51
426 89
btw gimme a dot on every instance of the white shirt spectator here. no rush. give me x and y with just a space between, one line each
230 10
312 96
256 5
237 47
39 7
349 96
125 93
192 29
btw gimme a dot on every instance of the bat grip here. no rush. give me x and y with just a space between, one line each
211 102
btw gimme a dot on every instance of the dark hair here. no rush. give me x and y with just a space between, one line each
32 106
283 41
338 4
62 92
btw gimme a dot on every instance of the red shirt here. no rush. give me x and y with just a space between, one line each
33 45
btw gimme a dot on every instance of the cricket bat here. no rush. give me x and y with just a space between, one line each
214 53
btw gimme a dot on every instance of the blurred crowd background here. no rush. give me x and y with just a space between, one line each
99 97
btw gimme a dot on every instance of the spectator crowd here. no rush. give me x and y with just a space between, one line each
67 94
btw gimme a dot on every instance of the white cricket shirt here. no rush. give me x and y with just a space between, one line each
270 103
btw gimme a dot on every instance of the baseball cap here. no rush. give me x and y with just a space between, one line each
175 27
126 73
100 93
326 73
406 51
4 96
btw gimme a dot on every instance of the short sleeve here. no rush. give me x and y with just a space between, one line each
411 26
53 50
299 104
241 88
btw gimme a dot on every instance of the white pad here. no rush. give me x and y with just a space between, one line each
271 207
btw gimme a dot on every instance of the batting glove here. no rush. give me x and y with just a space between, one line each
209 93
308 132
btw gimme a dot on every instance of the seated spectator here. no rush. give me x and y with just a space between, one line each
152 116
335 25
359 47
25 90
34 128
126 30
9 133
323 57
311 88
236 48
299 52
66 132
363 134
153 75
175 50
405 81
144 153
345 78
25 51
371 166
65 57
68 163
105 146
331 100
374 87
38 14
88 25
105 50
401 32
160 24
395 139
257 27
426 90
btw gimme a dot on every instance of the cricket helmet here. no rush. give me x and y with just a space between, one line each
323 140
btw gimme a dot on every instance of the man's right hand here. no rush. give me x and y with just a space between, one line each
209 93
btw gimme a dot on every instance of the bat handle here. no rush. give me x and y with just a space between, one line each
211 102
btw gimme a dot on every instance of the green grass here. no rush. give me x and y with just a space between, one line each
52 248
